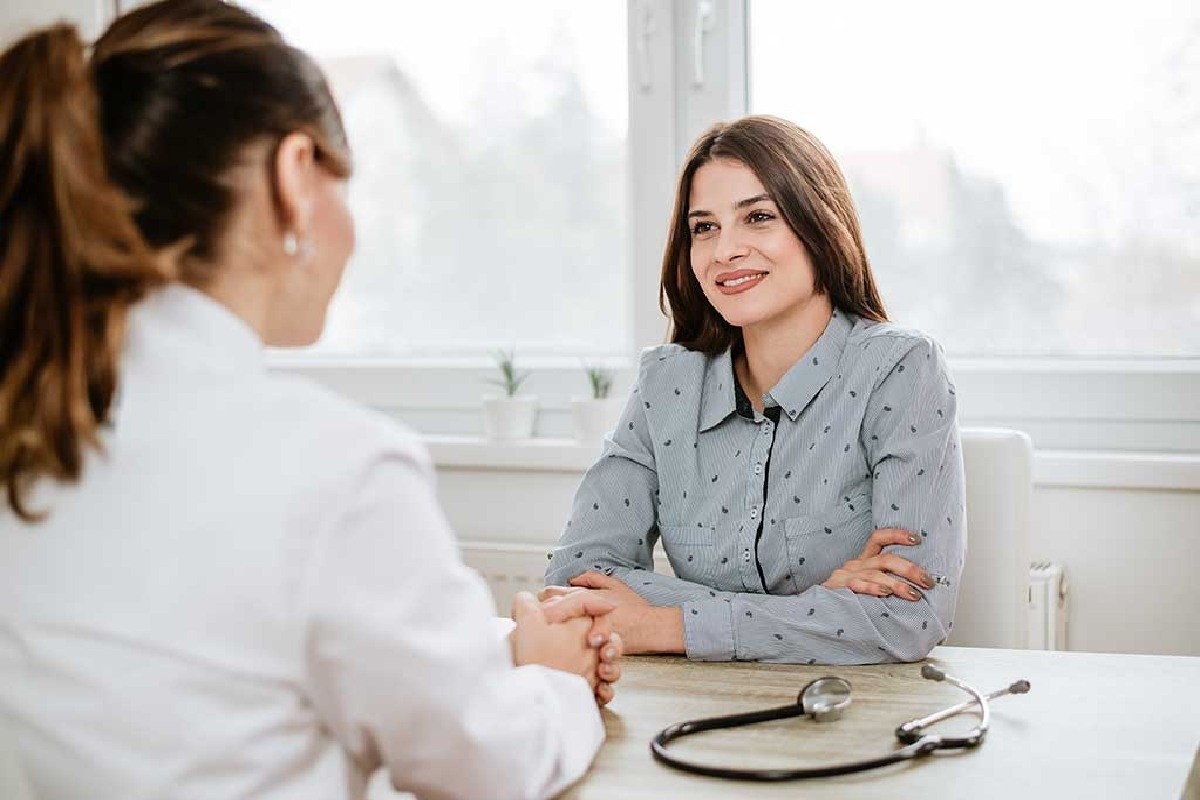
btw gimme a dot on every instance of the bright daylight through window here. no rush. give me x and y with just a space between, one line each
490 188
1027 172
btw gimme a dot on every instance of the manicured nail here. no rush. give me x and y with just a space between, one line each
926 580
914 594
912 539
610 652
596 640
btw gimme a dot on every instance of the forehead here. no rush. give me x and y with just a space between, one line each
720 184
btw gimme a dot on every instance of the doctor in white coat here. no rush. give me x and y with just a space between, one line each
216 582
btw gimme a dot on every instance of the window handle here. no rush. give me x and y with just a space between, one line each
646 31
705 21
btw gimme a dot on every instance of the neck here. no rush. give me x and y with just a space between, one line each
772 347
246 294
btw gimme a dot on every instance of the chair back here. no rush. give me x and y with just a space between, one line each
993 595
13 783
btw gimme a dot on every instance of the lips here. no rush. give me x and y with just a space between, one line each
739 281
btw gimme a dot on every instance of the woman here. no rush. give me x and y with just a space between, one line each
786 444
216 582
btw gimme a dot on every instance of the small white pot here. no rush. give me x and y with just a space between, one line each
594 419
507 419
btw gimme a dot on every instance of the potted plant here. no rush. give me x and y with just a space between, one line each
597 415
509 416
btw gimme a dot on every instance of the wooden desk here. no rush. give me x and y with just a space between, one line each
1093 725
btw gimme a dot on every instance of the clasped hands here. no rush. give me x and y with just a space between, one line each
647 629
573 634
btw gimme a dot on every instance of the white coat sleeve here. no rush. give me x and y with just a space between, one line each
404 663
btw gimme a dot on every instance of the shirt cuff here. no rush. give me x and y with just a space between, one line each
708 630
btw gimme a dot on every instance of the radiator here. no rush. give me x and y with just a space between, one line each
507 568
511 568
1048 606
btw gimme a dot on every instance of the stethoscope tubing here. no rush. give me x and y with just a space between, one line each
923 746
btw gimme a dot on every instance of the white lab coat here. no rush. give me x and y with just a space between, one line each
253 594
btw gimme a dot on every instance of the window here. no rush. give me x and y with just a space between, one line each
490 192
1026 172
1026 175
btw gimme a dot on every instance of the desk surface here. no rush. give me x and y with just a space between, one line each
1093 725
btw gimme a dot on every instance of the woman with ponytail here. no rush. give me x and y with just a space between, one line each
216 582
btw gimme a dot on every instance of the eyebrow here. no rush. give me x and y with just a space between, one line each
749 201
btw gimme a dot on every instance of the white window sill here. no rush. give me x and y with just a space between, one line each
531 455
1119 406
1092 469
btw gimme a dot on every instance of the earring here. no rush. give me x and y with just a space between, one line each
294 246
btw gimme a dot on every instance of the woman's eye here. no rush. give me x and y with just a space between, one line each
702 227
757 217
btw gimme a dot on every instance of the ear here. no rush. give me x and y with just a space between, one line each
295 183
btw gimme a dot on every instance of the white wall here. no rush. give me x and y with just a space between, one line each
1130 552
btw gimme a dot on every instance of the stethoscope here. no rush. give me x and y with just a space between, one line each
826 699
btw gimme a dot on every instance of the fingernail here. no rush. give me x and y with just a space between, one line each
926 581
912 539
610 652
596 640
914 594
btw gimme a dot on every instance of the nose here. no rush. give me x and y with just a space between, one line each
730 246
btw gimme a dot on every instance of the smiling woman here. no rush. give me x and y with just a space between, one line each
787 444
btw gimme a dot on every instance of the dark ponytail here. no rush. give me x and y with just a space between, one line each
111 166
71 263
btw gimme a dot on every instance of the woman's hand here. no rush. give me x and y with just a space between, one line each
583 604
558 645
882 574
643 628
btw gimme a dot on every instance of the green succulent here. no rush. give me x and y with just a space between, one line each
601 380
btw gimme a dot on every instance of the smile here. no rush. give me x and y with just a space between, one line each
740 281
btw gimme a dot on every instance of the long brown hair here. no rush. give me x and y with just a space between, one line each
803 179
110 162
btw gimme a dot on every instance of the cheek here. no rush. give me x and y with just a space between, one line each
699 259
342 222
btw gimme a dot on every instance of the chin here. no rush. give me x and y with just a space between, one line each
742 316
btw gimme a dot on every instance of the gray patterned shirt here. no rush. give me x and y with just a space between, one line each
754 514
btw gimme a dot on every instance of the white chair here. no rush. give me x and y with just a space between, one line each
13 783
993 595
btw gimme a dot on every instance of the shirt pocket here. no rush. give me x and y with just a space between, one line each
690 551
820 543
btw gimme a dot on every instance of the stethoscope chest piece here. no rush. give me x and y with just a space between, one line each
825 699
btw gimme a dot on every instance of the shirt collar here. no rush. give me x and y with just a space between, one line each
800 384
717 398
188 326
795 390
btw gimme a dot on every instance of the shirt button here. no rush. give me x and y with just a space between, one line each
754 513
758 469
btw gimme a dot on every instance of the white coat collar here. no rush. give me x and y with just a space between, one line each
195 331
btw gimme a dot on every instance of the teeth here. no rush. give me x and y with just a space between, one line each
743 279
